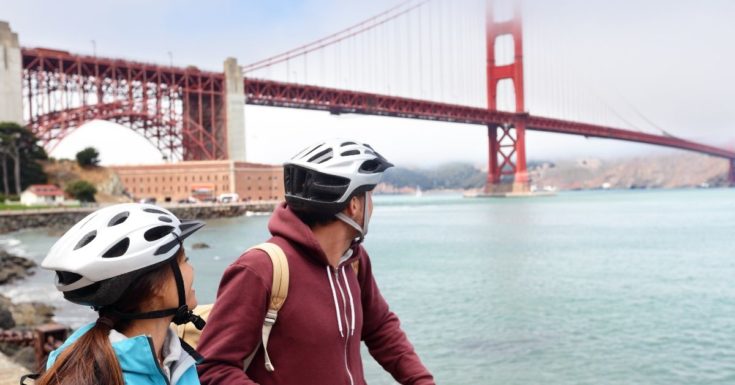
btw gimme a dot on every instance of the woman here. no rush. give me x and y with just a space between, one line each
127 262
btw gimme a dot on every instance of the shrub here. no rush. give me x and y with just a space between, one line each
81 190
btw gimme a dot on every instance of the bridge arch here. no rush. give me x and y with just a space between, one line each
180 111
163 134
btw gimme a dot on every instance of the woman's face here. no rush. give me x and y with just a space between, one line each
187 272
170 294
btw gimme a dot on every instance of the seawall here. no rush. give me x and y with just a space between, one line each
13 220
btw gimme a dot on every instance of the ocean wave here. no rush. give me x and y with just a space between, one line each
9 242
256 214
34 292
15 246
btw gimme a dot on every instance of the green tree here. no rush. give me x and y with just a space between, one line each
88 157
457 175
403 177
82 190
19 158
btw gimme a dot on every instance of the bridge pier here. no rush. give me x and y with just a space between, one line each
11 74
731 173
507 172
507 143
235 110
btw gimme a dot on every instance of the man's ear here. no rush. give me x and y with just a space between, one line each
354 207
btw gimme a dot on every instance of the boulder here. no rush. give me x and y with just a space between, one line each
32 313
26 356
13 267
6 318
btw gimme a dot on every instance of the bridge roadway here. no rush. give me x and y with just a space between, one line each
336 101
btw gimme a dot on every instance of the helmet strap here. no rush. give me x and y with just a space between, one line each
361 230
351 222
367 214
182 314
182 311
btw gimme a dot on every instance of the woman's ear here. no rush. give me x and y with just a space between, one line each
158 296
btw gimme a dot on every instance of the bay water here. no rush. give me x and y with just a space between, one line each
603 287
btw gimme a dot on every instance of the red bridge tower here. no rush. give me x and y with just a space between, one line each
507 142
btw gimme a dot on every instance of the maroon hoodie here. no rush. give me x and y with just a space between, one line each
316 339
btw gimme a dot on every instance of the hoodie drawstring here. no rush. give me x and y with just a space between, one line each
350 323
334 297
352 304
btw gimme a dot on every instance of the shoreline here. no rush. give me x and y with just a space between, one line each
16 220
21 316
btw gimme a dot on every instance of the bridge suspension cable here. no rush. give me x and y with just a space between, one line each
426 49
361 27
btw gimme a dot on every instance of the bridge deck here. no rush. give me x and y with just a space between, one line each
271 93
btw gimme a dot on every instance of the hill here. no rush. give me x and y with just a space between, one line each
668 171
63 172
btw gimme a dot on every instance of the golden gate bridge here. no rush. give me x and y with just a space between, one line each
435 60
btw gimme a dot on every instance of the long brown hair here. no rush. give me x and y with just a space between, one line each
90 360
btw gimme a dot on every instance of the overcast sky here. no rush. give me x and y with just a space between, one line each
668 62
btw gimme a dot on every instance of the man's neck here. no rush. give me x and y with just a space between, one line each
334 239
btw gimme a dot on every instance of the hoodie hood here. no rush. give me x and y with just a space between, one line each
285 224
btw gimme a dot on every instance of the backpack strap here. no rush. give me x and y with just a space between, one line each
279 292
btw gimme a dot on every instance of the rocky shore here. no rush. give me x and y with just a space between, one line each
20 316
13 268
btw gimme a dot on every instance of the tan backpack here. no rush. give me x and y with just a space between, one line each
279 292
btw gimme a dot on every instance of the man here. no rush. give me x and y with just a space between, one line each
333 301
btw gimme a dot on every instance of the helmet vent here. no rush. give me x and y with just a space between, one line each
67 278
89 218
310 151
118 250
157 233
167 247
153 211
369 166
347 144
351 152
118 219
86 239
165 219
325 153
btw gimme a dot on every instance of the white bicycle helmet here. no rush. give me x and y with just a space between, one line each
324 177
104 253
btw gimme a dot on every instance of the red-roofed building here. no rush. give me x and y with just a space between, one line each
42 194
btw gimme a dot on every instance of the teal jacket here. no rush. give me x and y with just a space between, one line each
138 362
